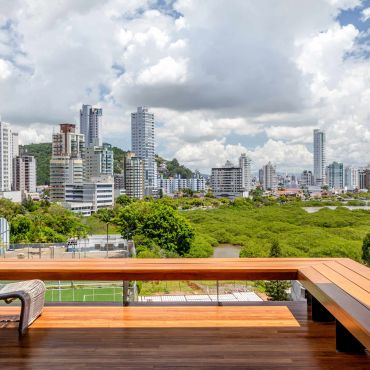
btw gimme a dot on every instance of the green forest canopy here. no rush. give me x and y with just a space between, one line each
160 226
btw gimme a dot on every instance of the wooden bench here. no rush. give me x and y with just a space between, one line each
339 286
341 291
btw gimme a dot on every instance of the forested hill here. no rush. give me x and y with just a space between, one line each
42 153
172 168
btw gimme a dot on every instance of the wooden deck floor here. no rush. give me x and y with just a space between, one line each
197 337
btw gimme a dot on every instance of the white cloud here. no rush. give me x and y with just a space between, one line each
291 157
166 71
5 69
365 14
219 77
290 134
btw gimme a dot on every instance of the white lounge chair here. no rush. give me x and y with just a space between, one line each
32 296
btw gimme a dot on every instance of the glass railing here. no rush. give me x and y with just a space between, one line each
144 292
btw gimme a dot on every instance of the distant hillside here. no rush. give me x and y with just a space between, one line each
118 155
42 153
172 168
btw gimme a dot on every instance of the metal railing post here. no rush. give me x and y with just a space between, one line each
218 300
125 288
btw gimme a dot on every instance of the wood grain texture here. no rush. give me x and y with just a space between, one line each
156 269
352 314
209 346
161 317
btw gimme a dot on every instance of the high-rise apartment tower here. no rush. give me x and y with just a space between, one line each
8 150
245 165
90 124
319 157
66 164
143 145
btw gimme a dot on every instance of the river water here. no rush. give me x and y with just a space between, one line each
226 251
315 209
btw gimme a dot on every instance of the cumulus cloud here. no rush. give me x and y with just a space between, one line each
365 14
222 77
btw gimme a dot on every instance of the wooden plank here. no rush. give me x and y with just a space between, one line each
341 281
351 275
352 314
162 317
153 269
355 267
160 269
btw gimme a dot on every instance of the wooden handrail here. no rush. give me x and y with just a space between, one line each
157 269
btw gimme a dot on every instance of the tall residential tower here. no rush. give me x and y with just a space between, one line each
66 164
90 125
319 157
8 151
245 165
143 144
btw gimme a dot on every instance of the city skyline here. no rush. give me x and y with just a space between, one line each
259 86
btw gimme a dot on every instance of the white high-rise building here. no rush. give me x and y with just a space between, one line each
351 178
66 164
5 157
8 150
90 125
245 165
319 157
143 145
269 178
24 170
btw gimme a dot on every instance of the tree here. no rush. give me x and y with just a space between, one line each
123 200
276 289
187 192
366 249
275 250
106 215
29 204
155 224
128 220
168 229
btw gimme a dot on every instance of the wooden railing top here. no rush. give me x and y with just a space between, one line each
159 269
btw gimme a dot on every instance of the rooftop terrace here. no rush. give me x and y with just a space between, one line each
254 335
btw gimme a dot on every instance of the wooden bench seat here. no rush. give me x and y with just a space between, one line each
341 294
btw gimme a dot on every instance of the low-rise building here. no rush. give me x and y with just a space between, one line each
99 193
196 183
